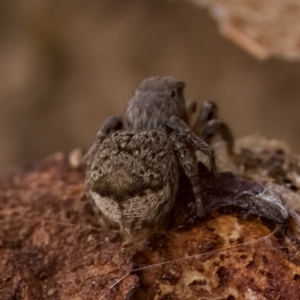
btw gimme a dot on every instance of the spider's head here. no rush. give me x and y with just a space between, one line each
154 102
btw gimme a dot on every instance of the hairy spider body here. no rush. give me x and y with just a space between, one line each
133 166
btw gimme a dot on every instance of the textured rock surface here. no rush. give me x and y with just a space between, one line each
51 246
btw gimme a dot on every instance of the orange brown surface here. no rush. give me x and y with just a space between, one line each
52 247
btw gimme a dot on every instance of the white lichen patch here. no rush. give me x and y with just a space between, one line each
236 232
251 295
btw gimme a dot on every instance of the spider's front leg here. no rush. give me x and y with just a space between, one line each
186 143
208 125
111 125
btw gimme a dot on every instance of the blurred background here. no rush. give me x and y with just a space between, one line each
65 66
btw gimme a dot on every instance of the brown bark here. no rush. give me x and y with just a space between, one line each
52 247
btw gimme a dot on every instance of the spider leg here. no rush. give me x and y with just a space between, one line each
208 125
209 111
111 125
193 141
214 127
188 161
186 143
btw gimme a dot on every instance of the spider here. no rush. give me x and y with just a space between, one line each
134 165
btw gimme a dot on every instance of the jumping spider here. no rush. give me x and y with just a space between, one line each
134 165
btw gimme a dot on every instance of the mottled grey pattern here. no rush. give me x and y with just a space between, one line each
263 202
133 168
250 197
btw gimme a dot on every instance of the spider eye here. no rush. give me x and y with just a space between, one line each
173 93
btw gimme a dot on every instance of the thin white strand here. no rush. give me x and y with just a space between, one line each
186 258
